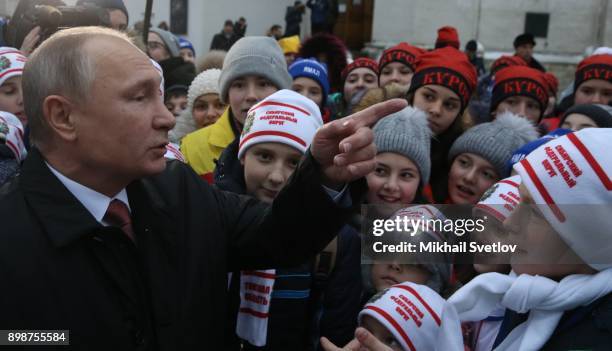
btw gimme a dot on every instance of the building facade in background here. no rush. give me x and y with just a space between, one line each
561 26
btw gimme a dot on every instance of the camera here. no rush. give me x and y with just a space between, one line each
51 16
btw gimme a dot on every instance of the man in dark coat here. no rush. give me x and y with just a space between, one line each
101 237
318 16
293 19
240 28
523 47
225 39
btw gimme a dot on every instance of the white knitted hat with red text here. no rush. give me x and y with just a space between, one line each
284 117
418 318
12 62
570 176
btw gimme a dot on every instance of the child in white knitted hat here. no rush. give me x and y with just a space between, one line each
412 317
12 62
559 293
204 106
12 148
495 206
276 134
276 305
478 157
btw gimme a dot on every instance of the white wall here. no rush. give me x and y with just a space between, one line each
573 24
608 31
417 21
206 17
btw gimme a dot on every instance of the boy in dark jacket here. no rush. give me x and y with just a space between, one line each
282 309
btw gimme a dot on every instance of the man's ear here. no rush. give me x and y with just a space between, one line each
57 111
242 160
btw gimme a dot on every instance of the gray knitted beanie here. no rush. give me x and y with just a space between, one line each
406 133
495 141
259 56
169 39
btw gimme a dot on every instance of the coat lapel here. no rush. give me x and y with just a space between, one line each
63 218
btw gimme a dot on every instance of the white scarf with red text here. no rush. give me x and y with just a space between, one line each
255 298
545 299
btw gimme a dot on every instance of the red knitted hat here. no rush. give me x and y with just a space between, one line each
507 61
447 36
553 83
360 62
520 81
447 67
402 52
593 67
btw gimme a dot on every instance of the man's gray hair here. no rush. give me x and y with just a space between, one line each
59 66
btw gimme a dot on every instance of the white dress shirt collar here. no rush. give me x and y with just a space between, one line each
95 202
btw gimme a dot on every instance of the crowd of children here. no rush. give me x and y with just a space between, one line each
488 140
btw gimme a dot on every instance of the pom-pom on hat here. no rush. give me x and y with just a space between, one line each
447 67
575 169
495 141
520 81
507 61
406 133
417 317
593 67
12 62
313 69
402 52
447 36
284 117
361 62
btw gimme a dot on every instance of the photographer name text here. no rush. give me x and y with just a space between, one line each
438 247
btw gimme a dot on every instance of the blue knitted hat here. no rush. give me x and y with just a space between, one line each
186 44
313 69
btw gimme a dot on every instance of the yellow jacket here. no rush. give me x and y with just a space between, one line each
204 146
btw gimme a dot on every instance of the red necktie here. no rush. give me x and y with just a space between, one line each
118 215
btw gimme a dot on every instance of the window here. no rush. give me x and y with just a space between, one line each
178 16
537 24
